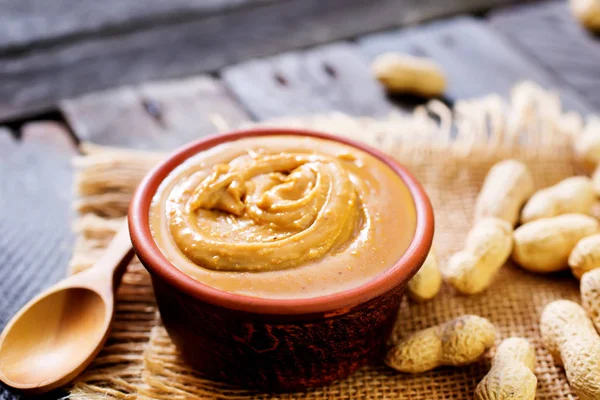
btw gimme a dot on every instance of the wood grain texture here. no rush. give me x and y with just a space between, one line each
160 115
51 134
35 221
7 143
476 59
27 23
329 78
36 77
549 33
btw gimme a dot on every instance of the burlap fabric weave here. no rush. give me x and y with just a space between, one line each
450 152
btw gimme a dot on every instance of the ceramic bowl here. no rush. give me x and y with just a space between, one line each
273 344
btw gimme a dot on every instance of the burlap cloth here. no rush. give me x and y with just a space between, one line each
450 152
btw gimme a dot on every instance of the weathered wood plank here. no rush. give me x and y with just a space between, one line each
51 134
35 216
477 60
36 77
160 115
35 231
8 145
27 23
328 78
550 34
35 220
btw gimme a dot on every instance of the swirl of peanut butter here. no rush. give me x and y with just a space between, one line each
264 212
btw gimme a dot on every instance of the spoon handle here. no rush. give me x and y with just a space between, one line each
117 256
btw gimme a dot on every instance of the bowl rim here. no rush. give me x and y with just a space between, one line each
157 264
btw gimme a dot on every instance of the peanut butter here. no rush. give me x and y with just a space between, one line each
283 217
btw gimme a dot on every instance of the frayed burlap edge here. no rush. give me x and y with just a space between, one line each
448 150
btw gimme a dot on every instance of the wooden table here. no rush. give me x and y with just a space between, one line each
43 122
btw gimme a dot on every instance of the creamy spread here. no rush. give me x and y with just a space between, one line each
283 217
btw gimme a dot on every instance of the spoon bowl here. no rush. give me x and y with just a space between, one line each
57 334
71 322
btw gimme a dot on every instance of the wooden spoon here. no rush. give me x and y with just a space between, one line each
57 334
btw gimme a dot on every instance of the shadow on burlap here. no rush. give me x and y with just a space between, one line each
450 152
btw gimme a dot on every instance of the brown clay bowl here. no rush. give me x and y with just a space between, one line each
273 344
